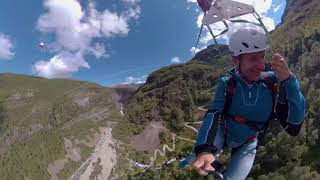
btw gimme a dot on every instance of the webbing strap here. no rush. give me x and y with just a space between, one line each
229 92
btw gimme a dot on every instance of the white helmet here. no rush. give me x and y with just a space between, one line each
247 41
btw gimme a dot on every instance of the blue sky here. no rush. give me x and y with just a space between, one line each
108 42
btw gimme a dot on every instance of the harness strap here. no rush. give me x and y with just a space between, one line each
242 120
229 92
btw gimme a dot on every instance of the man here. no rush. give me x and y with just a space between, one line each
241 123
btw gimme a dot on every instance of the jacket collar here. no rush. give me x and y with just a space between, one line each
235 74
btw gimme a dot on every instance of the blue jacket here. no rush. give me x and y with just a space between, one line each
254 102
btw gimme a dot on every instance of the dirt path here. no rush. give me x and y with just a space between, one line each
165 148
104 151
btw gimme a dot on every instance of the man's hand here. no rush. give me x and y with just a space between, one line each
203 163
280 67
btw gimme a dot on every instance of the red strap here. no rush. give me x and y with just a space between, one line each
240 120
251 138
275 88
231 89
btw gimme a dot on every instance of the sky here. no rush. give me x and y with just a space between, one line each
108 42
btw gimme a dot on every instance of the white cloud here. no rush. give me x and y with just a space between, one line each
133 12
135 80
134 9
217 28
276 9
131 2
98 51
261 6
192 1
60 66
113 24
6 47
199 19
175 60
195 50
77 30
268 22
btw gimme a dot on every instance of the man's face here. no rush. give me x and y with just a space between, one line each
252 64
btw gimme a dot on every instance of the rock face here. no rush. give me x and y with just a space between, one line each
124 92
294 6
148 140
211 53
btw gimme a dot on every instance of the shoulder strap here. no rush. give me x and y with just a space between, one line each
272 85
273 88
228 94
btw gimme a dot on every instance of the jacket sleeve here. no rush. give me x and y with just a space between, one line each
290 108
206 136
